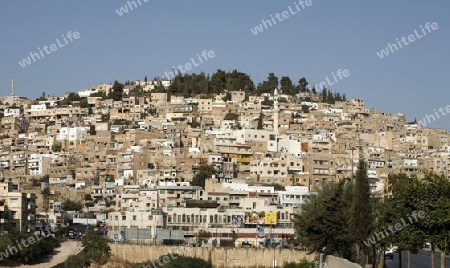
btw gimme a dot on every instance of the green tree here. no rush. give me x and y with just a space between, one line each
80 260
218 82
391 211
96 248
302 264
70 205
324 94
362 218
138 90
46 196
433 199
101 94
278 187
302 84
287 86
267 102
203 237
84 103
330 97
72 96
269 85
236 80
305 108
195 123
56 147
45 178
260 121
116 91
323 223
204 172
33 253
227 97
231 116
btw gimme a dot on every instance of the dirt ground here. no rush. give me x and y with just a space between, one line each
67 248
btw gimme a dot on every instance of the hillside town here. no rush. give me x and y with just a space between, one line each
134 164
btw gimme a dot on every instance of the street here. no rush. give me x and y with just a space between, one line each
420 260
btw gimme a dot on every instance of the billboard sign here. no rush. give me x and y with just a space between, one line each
271 218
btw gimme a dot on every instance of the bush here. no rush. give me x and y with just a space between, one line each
231 116
77 261
303 264
33 252
97 248
175 261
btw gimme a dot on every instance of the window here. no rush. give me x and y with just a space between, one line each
124 218
134 217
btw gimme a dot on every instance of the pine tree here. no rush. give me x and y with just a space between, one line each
260 121
362 217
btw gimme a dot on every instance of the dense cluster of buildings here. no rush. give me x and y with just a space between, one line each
135 158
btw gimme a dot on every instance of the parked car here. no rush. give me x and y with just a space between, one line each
271 243
72 235
389 252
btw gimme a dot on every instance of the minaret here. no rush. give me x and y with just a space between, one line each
12 87
275 110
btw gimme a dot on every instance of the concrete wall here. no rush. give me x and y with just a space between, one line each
220 257
335 262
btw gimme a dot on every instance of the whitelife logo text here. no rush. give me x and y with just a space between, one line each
49 49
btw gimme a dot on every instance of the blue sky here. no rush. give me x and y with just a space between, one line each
318 40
